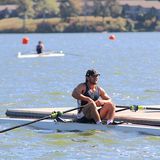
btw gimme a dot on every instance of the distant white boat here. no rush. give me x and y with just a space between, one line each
44 54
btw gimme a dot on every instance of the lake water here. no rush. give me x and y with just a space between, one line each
130 73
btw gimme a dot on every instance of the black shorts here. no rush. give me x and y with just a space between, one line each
85 120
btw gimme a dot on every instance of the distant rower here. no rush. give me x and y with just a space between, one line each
40 47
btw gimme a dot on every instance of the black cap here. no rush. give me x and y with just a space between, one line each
92 72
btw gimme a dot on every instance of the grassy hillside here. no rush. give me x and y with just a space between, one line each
73 24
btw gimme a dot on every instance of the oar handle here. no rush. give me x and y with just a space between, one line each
71 110
121 110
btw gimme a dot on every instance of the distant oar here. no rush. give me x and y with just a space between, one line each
138 107
53 115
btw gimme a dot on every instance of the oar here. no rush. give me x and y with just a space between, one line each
25 124
120 110
53 115
138 107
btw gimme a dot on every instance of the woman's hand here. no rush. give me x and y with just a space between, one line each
99 102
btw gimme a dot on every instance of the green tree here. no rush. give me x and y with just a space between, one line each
46 8
106 8
116 10
8 1
68 8
151 13
25 8
97 8
111 8
76 7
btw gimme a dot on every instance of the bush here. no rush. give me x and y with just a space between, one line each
44 27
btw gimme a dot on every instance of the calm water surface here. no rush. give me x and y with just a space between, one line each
130 74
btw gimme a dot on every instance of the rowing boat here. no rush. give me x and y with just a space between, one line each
69 125
64 120
44 54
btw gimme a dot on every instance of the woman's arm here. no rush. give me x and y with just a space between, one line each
78 93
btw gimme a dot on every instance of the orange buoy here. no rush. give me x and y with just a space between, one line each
25 40
112 37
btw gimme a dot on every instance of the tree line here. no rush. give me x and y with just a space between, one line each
65 8
70 13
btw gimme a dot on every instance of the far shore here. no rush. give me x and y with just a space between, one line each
70 25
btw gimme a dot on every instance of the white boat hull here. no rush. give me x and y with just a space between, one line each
74 126
45 54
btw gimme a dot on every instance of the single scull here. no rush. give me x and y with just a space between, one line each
45 54
53 121
74 126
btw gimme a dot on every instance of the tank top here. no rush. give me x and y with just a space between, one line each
93 95
39 49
